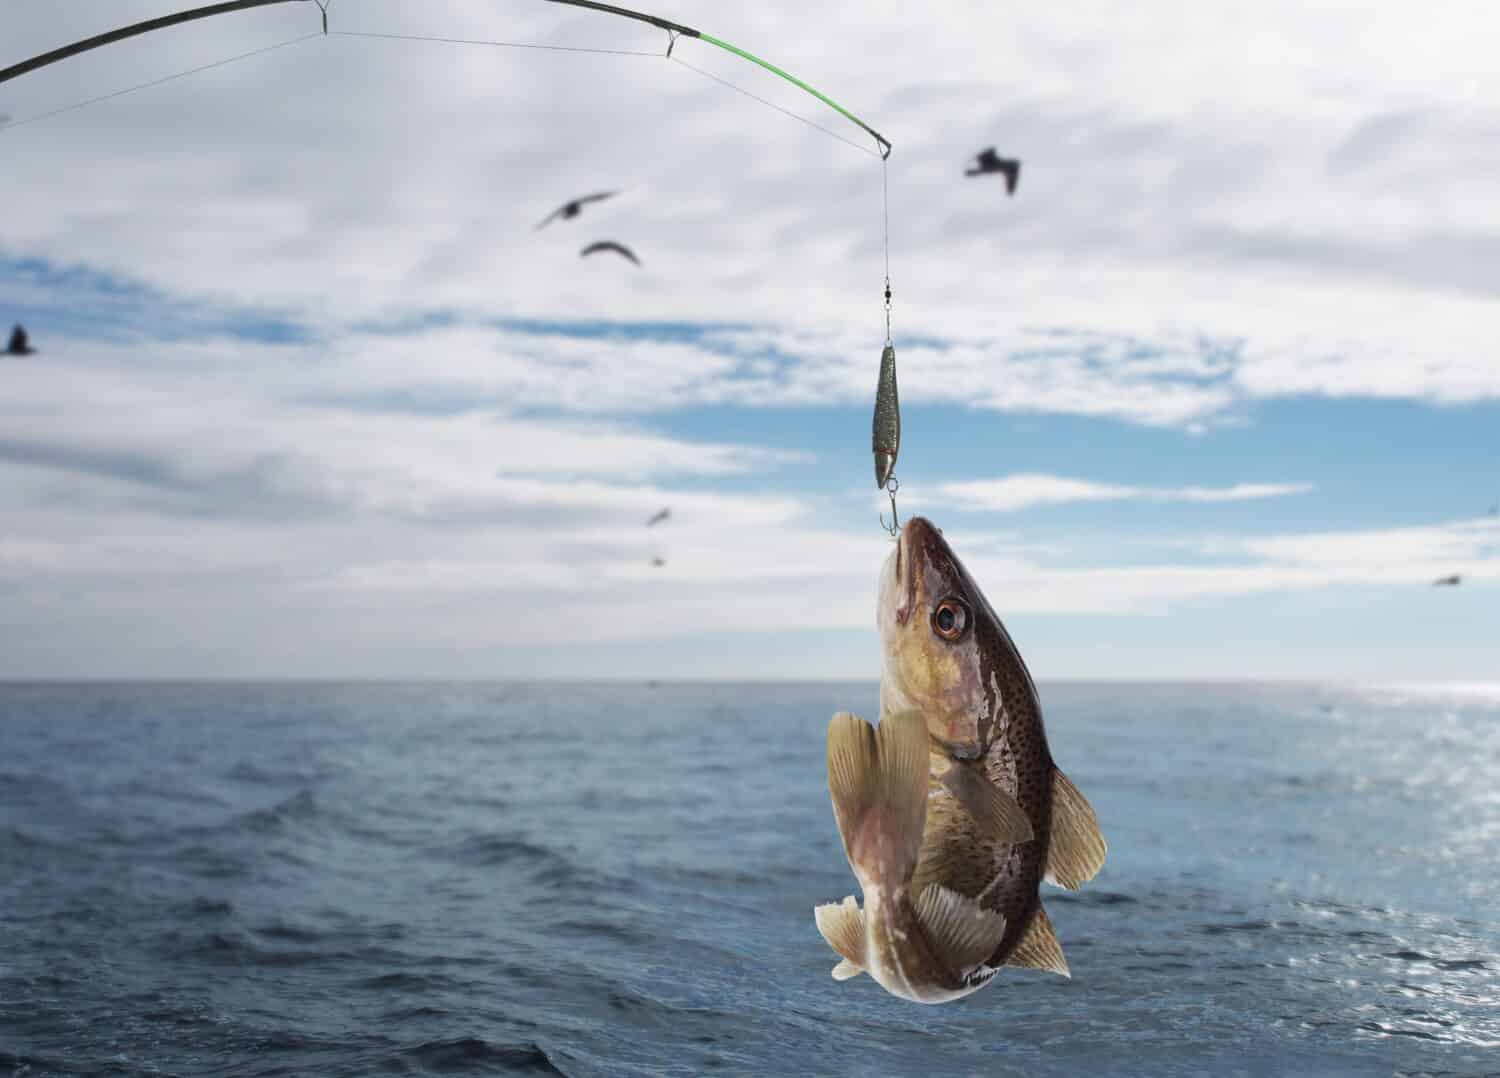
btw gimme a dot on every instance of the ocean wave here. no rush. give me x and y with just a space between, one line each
238 946
469 1055
487 850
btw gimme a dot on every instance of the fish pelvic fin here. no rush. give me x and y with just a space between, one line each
1076 850
1038 948
960 930
842 925
877 780
994 810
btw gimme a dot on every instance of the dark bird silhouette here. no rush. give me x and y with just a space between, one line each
658 562
986 161
19 343
574 208
610 245
658 517
1447 581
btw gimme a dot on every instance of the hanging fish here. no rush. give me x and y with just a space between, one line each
950 861
885 435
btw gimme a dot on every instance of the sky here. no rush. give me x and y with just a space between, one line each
1214 395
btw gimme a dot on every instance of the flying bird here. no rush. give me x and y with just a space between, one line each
574 208
658 517
1447 581
19 344
610 245
986 161
658 562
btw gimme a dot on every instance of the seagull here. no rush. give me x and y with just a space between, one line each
988 162
574 208
658 517
610 245
18 343
1447 581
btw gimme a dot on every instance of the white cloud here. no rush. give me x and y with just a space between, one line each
1380 553
1327 206
1022 491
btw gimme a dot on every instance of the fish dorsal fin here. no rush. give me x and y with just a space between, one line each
961 931
1076 849
995 811
1039 948
842 924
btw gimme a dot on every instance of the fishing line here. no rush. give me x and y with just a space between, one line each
772 104
158 82
885 207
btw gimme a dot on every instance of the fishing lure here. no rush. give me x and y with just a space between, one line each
885 433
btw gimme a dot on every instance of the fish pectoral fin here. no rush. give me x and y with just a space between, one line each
996 812
842 925
877 779
851 758
1076 850
1039 948
960 930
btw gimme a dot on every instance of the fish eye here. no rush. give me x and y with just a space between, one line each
950 618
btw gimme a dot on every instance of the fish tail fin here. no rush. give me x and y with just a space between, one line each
842 924
877 779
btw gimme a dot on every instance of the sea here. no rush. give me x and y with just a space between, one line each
619 879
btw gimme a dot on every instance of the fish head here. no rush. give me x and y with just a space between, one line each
944 652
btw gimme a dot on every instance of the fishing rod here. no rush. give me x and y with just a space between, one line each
674 29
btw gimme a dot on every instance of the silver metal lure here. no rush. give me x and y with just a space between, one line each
885 434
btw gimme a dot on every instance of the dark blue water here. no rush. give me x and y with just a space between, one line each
619 880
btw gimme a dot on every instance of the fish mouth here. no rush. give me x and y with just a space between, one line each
903 568
911 558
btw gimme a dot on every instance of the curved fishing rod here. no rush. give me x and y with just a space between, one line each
675 29
16 70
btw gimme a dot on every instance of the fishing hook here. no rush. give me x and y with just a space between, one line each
893 528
